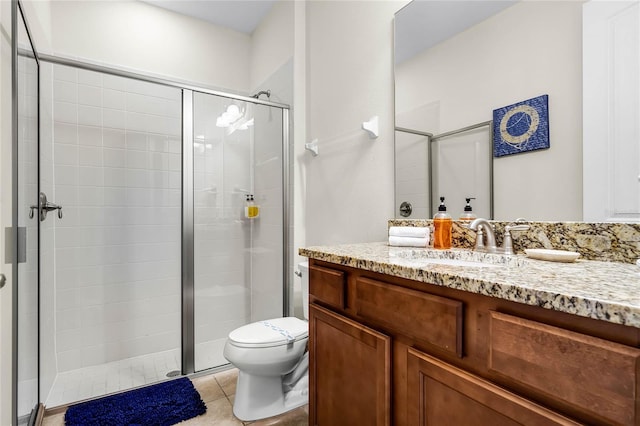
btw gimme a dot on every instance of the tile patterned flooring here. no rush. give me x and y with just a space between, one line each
217 391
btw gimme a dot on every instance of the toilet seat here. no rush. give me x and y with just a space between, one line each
268 333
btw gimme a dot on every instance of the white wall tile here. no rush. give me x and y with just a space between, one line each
136 141
146 104
90 135
140 197
66 278
138 178
136 122
113 138
114 157
114 82
89 156
90 196
90 77
159 161
89 216
173 126
66 175
114 177
158 143
175 144
175 162
65 154
114 118
89 116
65 112
68 319
114 196
65 133
64 91
137 159
114 99
65 73
89 95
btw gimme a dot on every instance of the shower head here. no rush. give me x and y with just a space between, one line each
262 92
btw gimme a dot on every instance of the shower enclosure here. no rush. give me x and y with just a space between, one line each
149 262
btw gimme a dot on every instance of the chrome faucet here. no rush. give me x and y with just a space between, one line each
482 226
478 225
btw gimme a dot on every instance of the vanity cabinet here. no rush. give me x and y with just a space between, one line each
350 366
441 394
387 350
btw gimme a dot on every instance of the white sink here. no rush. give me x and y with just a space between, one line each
459 262
456 257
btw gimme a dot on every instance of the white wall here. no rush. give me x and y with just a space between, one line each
349 186
272 45
167 44
503 60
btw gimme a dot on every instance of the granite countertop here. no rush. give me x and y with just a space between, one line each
608 291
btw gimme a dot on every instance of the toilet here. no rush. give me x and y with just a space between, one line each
272 361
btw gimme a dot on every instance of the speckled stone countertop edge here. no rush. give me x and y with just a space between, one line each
604 291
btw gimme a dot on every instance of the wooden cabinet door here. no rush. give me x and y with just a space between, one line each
441 394
349 372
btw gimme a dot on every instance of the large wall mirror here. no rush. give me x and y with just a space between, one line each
458 61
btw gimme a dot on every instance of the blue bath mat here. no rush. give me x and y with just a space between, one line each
163 404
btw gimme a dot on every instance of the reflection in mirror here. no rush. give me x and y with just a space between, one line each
497 54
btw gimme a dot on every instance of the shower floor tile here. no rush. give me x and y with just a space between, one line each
90 382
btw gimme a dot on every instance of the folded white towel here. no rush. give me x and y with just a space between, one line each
408 241
408 231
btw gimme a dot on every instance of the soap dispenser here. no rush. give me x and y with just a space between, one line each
468 214
442 224
251 210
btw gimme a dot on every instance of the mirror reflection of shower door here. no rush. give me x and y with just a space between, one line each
111 282
238 262
462 168
27 229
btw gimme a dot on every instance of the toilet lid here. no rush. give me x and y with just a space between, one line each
273 332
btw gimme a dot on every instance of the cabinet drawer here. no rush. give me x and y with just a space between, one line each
432 319
596 376
327 285
441 394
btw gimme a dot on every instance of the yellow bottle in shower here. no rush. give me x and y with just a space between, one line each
251 210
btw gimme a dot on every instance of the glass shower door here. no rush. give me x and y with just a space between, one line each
27 229
238 261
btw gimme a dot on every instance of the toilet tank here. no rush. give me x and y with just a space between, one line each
304 277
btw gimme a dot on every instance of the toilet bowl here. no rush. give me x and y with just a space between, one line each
272 363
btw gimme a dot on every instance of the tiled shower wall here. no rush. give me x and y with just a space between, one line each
117 174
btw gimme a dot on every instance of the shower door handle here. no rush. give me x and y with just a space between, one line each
44 206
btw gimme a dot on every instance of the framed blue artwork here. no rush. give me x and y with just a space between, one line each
521 127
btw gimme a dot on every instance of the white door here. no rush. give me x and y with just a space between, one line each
611 115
